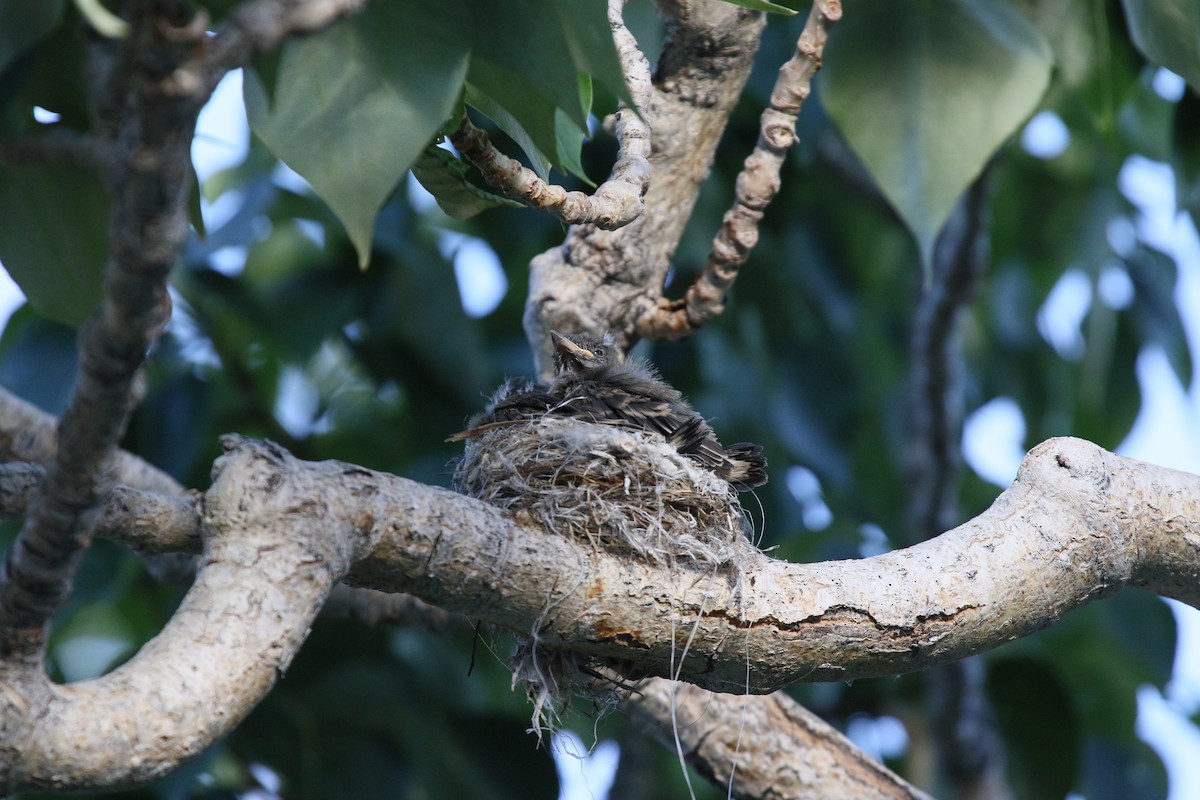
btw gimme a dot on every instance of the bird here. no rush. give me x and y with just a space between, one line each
596 382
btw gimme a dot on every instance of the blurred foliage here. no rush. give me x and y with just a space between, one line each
277 333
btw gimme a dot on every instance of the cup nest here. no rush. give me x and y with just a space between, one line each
622 490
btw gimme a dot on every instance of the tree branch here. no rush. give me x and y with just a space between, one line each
968 748
935 408
147 230
59 146
257 590
617 201
29 434
1078 524
605 280
781 749
757 185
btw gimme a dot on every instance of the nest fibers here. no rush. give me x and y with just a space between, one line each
618 489
621 490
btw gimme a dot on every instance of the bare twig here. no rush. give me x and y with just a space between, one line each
757 186
968 747
936 405
148 229
58 146
617 201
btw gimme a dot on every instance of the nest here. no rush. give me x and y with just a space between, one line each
620 490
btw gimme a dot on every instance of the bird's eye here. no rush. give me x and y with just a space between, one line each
598 352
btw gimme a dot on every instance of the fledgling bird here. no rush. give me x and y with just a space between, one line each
596 382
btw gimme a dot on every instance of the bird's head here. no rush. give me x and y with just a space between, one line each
584 353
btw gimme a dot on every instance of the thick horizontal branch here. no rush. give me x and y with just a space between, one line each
1079 523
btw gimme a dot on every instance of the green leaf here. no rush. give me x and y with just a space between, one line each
927 111
1168 33
502 35
445 177
585 29
23 23
570 147
477 98
355 105
763 5
1185 155
516 106
1042 730
54 239
541 96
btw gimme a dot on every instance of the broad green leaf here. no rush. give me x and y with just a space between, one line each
445 177
570 147
23 23
763 5
354 105
1168 33
531 92
927 112
478 98
54 239
527 115
503 35
585 29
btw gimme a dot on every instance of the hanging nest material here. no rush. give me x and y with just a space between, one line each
620 490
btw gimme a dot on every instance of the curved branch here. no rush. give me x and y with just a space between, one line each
257 27
257 590
1079 523
757 185
617 201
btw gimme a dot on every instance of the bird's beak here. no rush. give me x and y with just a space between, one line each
569 350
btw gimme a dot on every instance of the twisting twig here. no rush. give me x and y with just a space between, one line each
148 229
969 749
617 201
935 408
172 66
757 186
